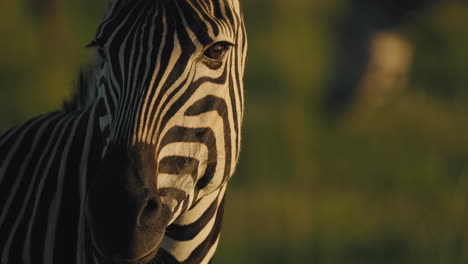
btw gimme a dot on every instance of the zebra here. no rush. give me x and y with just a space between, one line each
135 166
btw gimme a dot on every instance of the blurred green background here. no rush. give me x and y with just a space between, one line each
355 142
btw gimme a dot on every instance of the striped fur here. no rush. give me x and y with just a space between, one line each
158 105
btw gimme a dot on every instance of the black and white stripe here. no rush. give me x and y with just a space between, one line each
159 121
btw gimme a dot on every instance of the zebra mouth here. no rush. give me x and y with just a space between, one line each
116 260
103 258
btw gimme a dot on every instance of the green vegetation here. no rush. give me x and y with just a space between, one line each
379 185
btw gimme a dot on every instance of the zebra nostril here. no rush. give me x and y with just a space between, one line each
150 212
151 205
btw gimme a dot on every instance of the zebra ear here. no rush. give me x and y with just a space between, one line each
92 44
97 42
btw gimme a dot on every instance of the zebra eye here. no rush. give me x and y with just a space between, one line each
216 51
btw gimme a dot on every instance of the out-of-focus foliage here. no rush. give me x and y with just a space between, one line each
41 52
376 185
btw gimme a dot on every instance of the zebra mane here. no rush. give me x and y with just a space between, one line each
85 90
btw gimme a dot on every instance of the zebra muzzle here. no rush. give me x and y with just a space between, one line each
124 211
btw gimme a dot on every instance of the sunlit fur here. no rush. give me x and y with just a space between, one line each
159 113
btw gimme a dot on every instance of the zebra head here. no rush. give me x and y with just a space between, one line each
170 88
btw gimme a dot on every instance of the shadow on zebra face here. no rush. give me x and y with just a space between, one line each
124 209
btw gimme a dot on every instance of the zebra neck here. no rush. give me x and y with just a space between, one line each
46 164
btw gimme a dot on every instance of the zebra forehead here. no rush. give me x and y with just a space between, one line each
206 18
217 9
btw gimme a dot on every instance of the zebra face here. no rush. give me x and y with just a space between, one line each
171 90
